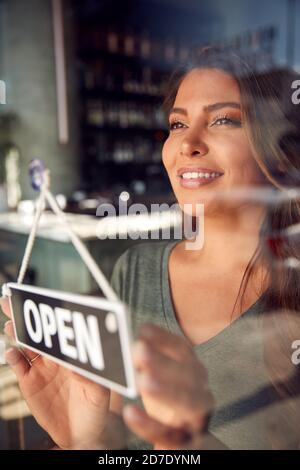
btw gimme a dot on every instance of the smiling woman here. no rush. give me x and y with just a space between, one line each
214 367
236 303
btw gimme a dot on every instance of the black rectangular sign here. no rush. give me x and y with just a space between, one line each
89 335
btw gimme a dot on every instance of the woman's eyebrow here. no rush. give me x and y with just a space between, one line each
210 107
225 104
178 111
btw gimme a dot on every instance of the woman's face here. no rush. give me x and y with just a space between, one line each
207 151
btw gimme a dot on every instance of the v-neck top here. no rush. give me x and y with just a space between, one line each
233 357
169 311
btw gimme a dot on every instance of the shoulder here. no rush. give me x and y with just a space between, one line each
141 255
138 265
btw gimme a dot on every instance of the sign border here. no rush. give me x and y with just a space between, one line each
118 307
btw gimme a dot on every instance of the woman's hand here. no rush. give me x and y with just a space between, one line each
174 388
72 409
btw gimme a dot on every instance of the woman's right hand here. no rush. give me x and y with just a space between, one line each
72 409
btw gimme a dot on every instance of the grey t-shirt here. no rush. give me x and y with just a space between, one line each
233 358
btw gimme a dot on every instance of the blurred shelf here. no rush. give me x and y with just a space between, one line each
158 64
118 95
134 129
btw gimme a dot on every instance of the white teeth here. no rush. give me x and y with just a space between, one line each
195 174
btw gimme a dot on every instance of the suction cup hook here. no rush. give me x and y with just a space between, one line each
36 174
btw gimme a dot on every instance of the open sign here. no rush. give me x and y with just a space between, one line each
89 335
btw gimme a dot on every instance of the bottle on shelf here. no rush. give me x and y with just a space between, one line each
129 43
145 45
170 51
112 41
183 54
110 81
95 113
89 81
123 115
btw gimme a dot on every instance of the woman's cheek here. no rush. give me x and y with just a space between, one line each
164 155
168 154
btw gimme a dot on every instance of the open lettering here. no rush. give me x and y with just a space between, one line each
78 336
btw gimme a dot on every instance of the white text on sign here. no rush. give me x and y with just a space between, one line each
43 323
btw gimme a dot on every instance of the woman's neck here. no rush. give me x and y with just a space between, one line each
230 239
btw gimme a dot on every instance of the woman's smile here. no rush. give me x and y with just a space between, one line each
193 177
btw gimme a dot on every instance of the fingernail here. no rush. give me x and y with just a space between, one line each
132 413
141 351
147 383
12 356
6 325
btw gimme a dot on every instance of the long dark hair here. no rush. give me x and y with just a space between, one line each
273 125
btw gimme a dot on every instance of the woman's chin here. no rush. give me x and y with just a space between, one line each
196 208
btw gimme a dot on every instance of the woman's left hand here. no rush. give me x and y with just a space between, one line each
174 388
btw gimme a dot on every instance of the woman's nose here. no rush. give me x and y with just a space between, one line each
193 147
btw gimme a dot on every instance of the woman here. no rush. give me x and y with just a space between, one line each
216 356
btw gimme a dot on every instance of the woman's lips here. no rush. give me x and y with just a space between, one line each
196 182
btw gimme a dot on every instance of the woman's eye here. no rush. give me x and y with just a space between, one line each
176 125
226 121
